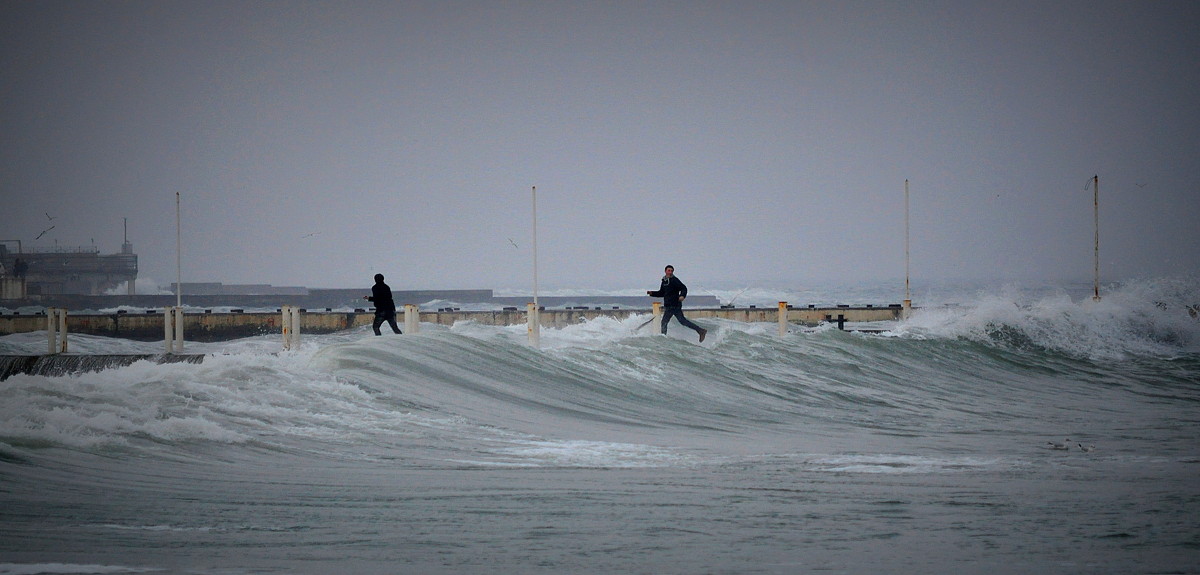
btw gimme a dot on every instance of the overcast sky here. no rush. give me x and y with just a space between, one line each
317 143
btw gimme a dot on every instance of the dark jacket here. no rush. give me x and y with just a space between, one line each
670 291
381 294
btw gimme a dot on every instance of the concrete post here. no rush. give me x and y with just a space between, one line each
178 330
291 327
285 323
51 332
62 328
906 311
295 327
656 309
783 318
173 329
56 330
534 325
168 329
412 318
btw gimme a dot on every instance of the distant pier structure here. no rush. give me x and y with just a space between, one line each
66 271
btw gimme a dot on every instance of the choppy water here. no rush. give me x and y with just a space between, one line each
463 450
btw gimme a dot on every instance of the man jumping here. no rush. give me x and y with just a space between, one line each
673 293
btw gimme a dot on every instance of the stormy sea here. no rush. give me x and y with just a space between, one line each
999 429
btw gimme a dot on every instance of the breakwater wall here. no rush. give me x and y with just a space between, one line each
209 327
312 299
290 322
317 299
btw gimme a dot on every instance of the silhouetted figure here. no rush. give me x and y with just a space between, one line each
19 268
385 307
673 293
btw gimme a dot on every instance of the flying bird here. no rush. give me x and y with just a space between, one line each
514 244
43 232
48 216
310 235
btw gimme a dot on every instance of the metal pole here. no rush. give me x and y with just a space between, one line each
907 296
535 248
534 316
1096 216
178 257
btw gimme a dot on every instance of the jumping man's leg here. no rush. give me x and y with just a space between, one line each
391 319
688 323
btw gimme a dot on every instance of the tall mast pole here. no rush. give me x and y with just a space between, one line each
535 248
178 257
907 296
1096 216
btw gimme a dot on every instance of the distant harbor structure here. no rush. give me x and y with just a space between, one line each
66 271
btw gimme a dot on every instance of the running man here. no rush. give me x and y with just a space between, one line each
385 306
673 293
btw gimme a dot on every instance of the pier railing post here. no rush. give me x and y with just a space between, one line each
656 310
178 330
173 329
534 325
285 323
783 318
51 332
168 329
56 329
291 327
412 318
295 327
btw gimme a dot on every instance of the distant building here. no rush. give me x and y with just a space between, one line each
81 270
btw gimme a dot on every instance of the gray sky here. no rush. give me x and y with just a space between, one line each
317 143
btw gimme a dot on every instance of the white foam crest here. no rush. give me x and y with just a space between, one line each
579 453
1145 318
229 398
898 464
601 331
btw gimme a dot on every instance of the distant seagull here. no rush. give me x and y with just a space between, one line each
43 232
310 235
1139 185
1060 446
1087 449
514 244
48 216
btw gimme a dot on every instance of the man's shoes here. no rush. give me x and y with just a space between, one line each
703 332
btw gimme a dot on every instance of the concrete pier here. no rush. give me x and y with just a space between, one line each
210 327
